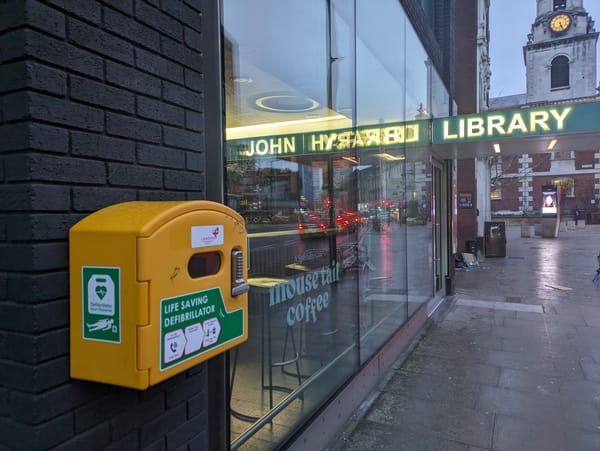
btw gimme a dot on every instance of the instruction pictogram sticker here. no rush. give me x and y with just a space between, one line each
174 345
101 299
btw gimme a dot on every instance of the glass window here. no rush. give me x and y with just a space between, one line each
567 186
440 100
380 55
496 190
289 73
496 172
428 9
563 155
559 72
323 103
394 184
560 4
419 206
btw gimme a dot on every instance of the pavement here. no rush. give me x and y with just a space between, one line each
511 362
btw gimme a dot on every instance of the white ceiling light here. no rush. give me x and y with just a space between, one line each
287 103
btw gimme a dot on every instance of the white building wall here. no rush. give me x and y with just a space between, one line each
544 6
582 69
577 43
482 167
525 183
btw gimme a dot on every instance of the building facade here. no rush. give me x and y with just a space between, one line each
319 125
560 58
301 116
472 95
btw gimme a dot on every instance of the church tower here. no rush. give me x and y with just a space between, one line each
560 55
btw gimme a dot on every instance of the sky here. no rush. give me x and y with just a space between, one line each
508 34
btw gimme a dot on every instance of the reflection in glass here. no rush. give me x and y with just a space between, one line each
340 251
381 47
394 182
301 344
382 249
419 231
289 69
380 62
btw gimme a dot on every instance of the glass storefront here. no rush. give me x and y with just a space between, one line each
326 102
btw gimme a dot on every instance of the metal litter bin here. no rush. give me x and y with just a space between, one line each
472 247
495 239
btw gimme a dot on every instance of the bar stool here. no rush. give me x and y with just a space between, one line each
260 286
235 413
254 315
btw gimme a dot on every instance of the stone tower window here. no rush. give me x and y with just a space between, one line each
559 72
560 4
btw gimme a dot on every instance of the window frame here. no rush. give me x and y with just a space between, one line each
559 181
496 190
560 72
559 5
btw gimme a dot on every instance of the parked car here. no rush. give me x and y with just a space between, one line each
347 222
311 225
316 224
282 218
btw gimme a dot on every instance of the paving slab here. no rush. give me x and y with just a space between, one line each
512 364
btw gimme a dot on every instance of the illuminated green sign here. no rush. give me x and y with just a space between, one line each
554 119
330 141
501 124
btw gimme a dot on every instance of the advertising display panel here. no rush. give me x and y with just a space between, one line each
549 200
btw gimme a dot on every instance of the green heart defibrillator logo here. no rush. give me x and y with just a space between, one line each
101 291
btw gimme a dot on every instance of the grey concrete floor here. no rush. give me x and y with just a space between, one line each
511 363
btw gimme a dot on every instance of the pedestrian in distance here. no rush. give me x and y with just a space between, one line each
596 278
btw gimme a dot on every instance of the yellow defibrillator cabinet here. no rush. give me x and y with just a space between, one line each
155 288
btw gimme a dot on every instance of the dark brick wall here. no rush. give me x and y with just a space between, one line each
584 193
585 159
584 183
510 195
100 102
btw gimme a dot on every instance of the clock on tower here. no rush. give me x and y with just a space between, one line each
559 23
